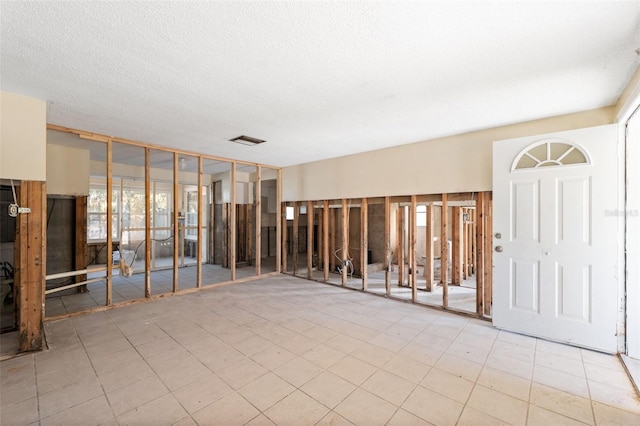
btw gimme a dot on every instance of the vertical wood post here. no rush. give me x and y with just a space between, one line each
364 241
428 265
334 230
109 295
479 262
280 256
412 247
400 243
176 224
199 241
444 252
345 240
81 240
387 245
258 221
295 236
456 246
285 248
31 256
488 254
310 239
232 223
325 236
147 222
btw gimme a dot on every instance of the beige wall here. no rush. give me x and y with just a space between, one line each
452 164
23 124
68 170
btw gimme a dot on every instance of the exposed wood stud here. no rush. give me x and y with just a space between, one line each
280 224
199 230
176 223
147 223
444 252
285 246
334 230
319 233
364 241
296 236
310 239
109 292
428 266
488 255
232 223
400 236
30 272
456 246
412 248
81 240
479 262
258 221
325 236
345 241
387 245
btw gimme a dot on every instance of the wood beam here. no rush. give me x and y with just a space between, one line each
258 220
345 240
199 230
176 220
364 241
81 240
413 229
400 237
232 222
387 245
285 247
479 262
294 231
444 252
456 246
325 236
31 256
488 255
147 222
279 225
109 292
334 230
428 265
310 239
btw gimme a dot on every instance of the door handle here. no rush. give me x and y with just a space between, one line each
499 249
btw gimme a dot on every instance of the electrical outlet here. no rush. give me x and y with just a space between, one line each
24 210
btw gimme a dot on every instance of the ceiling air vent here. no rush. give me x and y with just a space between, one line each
247 140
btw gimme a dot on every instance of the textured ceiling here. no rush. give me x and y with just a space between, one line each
315 79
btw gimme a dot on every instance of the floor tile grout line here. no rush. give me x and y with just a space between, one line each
533 366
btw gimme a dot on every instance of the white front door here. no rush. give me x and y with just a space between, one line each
555 236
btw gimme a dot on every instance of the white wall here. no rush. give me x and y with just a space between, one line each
458 163
23 141
67 170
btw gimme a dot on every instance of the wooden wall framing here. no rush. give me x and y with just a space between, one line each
81 216
30 264
462 220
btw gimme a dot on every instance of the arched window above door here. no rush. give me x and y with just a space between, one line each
550 153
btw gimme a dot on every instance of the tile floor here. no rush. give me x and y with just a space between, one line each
288 351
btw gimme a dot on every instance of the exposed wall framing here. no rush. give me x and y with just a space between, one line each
450 219
228 212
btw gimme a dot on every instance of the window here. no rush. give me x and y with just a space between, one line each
549 154
97 210
421 215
